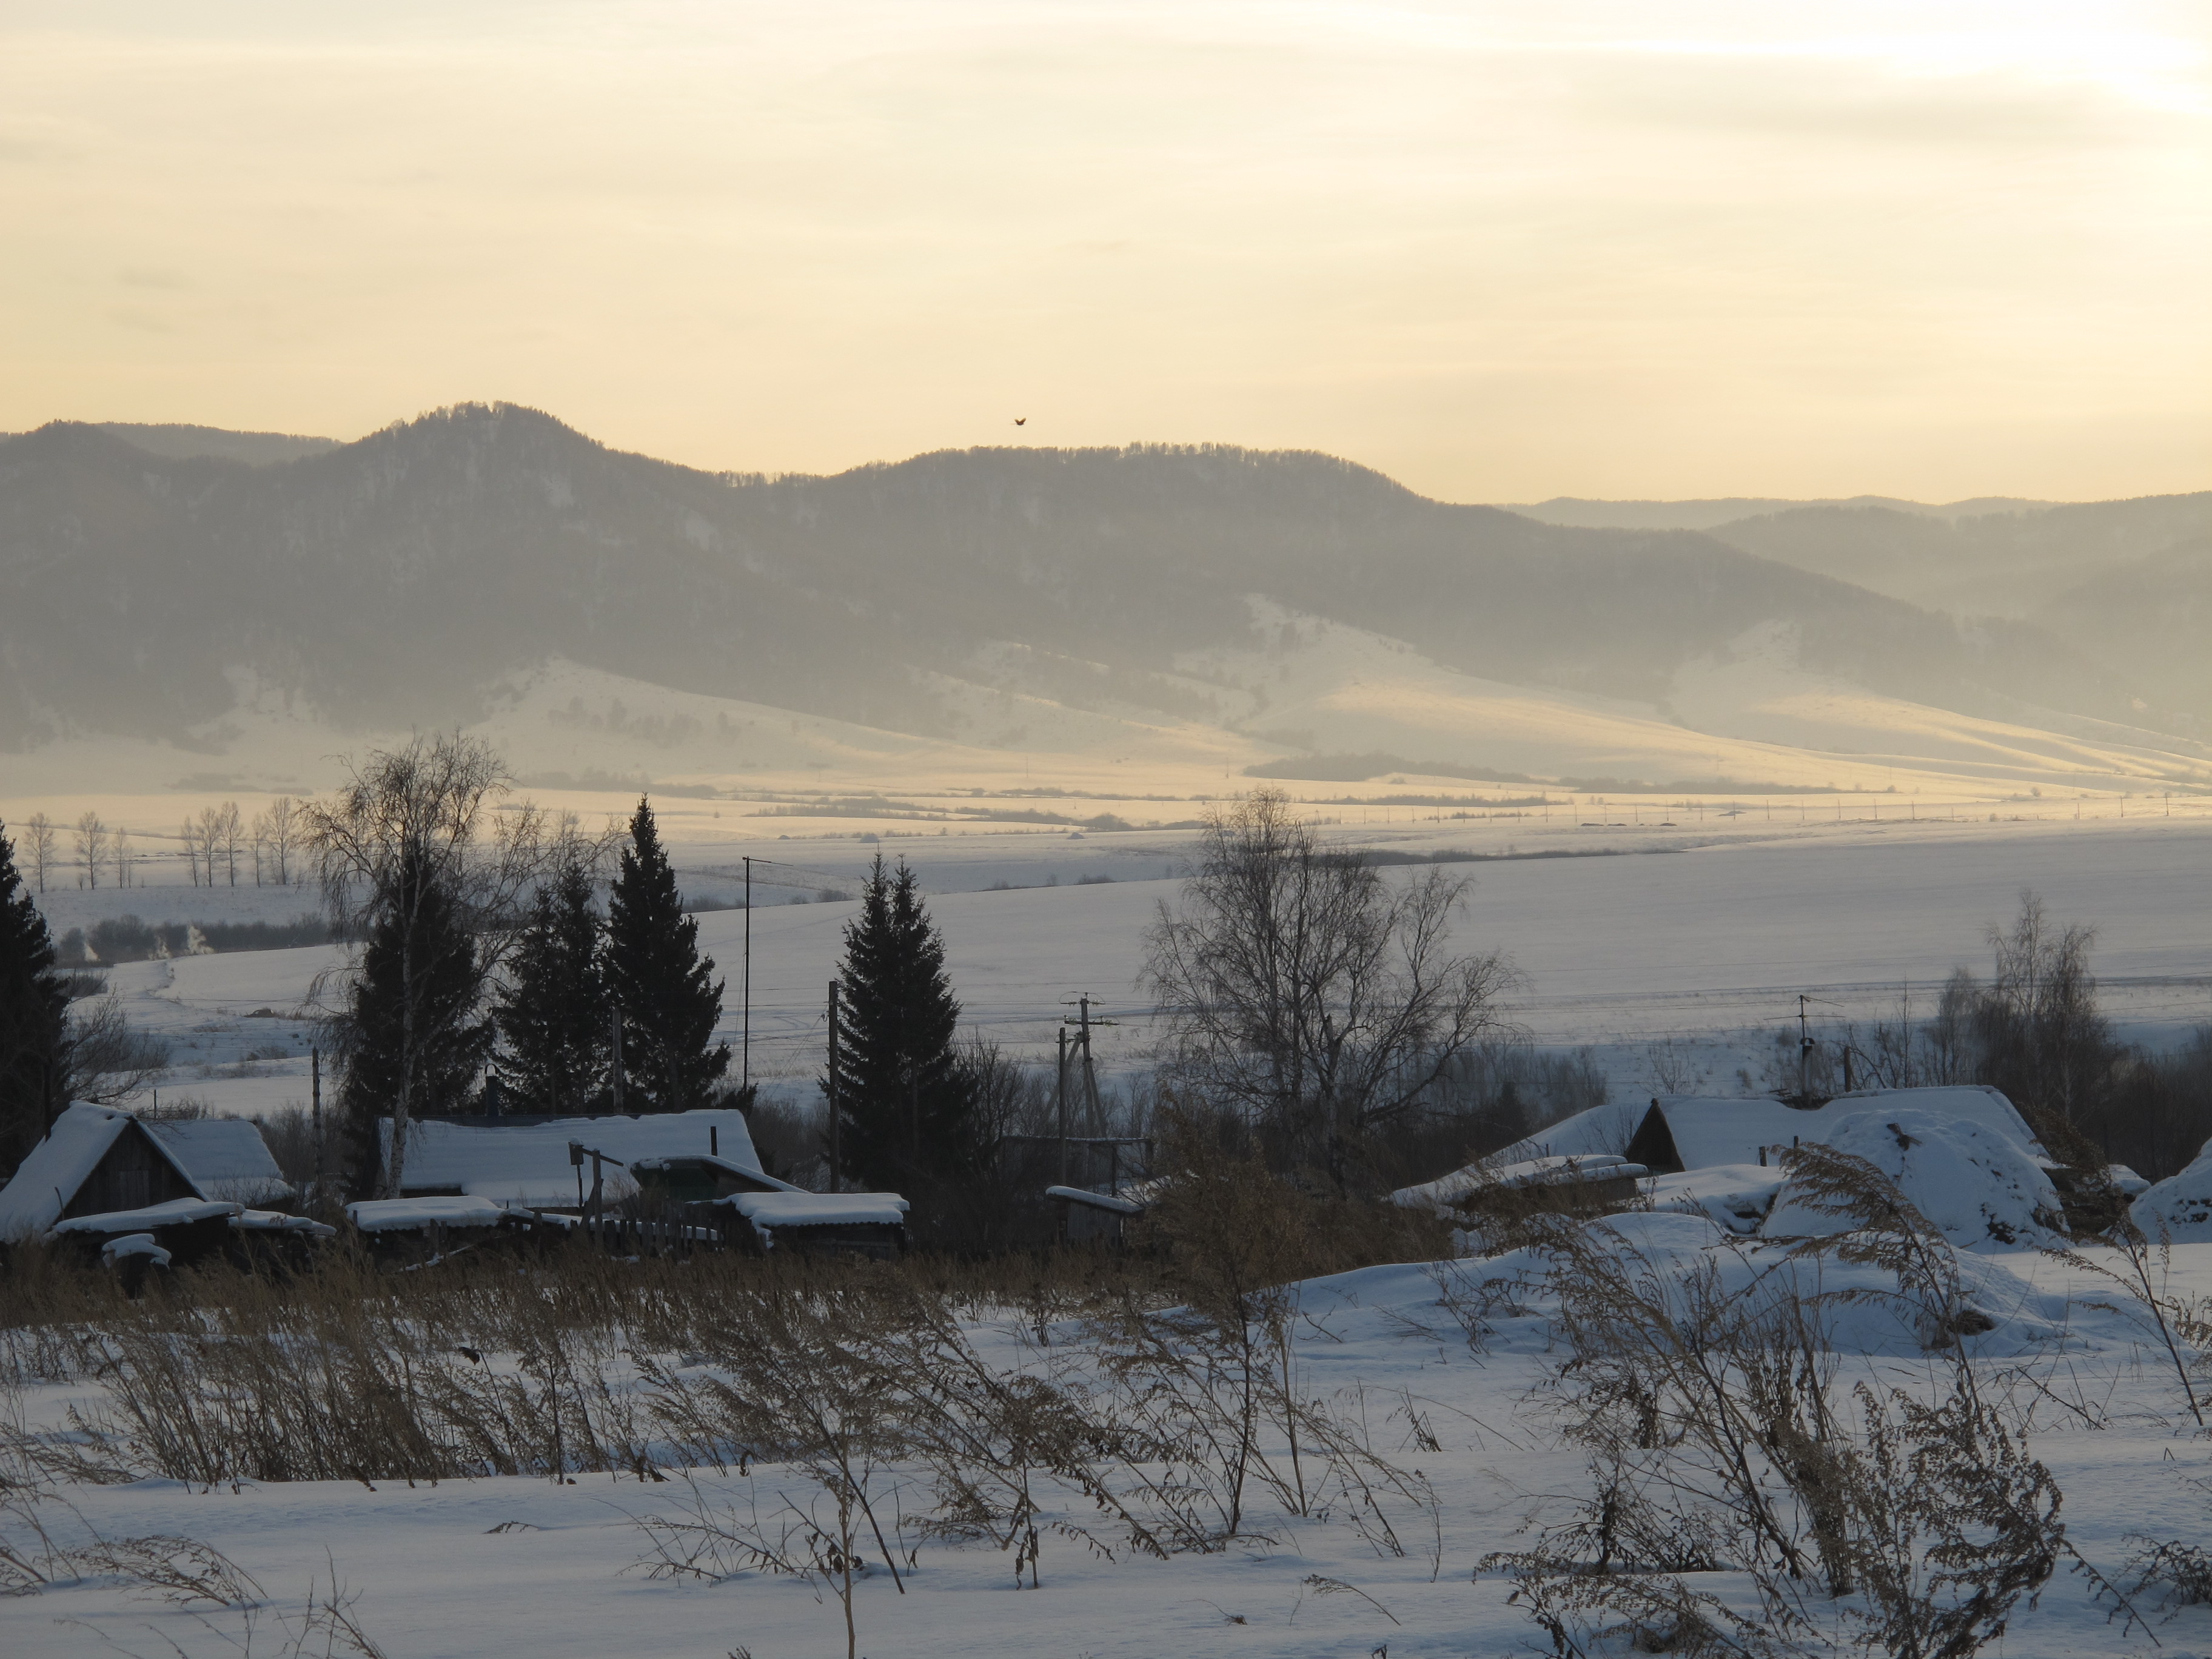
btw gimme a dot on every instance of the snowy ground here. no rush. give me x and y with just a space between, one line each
470 1567
1678 961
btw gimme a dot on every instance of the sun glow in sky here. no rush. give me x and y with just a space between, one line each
1500 252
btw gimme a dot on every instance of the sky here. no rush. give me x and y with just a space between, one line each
1500 252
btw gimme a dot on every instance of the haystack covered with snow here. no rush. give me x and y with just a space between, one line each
528 1164
1979 1185
2180 1207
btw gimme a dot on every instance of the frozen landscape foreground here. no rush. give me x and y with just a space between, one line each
562 1567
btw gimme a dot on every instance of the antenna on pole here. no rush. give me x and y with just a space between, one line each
745 1053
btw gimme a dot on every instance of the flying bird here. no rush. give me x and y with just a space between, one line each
1021 420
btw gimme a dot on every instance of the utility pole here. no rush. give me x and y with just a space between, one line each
315 1094
1804 1050
1060 1101
837 1170
1090 1075
614 1020
746 1061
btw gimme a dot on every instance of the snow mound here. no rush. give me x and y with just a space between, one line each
2180 1207
134 1244
1980 1187
1736 1196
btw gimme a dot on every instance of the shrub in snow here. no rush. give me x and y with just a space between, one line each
1980 1189
2180 1207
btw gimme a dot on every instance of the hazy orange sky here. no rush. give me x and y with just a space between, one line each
1500 252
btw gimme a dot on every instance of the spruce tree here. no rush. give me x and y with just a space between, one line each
906 1105
34 1002
418 953
669 997
554 1011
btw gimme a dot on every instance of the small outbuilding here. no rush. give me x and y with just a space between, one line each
95 1160
872 1225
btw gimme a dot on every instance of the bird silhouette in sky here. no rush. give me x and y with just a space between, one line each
1021 420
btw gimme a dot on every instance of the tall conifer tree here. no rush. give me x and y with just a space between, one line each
555 1011
424 945
669 997
906 1105
34 1003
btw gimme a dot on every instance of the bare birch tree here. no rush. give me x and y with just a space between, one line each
419 828
91 847
1303 989
275 841
189 834
38 846
119 855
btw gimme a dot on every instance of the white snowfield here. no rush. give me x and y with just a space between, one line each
528 1565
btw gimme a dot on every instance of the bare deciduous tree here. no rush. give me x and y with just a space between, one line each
189 834
91 849
1305 991
38 846
275 841
119 855
416 827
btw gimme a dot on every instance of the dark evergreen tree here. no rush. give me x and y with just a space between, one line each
554 1013
669 997
420 962
906 1109
34 1002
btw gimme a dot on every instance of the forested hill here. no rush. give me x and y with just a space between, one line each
391 580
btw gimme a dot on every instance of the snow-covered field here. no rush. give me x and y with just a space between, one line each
1678 956
532 1565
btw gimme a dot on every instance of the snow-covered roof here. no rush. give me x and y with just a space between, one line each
175 1214
1600 1130
1553 1169
528 1164
769 1211
276 1221
1096 1201
722 1165
389 1215
49 1175
1708 1132
1979 1185
223 1158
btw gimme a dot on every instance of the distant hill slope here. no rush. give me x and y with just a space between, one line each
1711 515
2006 563
184 443
393 581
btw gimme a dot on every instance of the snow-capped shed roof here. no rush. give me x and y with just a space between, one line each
1554 1170
770 1212
1682 1131
224 1158
386 1215
50 1174
176 1213
528 1164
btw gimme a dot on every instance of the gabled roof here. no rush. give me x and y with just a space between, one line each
224 1158
49 1175
1685 1132
528 1164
